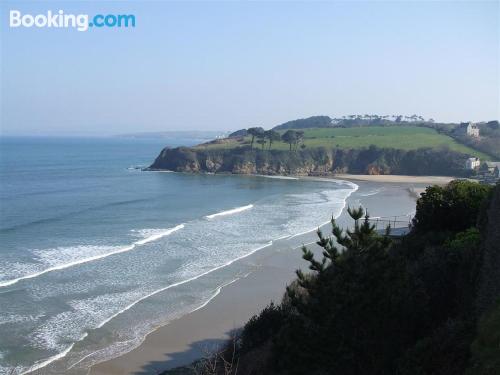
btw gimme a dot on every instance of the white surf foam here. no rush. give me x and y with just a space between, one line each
230 212
156 234
128 307
48 361
119 250
336 214
279 177
137 343
372 192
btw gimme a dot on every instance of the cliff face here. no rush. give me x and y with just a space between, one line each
319 161
243 161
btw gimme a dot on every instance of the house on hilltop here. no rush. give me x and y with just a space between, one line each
472 130
472 163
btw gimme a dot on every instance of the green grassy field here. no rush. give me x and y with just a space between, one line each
400 137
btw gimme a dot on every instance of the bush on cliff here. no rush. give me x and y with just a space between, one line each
454 207
372 306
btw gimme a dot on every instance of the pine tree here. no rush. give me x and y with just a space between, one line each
344 313
362 239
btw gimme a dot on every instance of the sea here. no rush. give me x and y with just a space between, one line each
95 253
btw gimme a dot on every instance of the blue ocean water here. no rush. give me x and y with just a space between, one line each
95 253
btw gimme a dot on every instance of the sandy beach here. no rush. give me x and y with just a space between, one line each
185 339
430 180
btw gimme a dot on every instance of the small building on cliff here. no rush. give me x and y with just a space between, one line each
472 130
472 163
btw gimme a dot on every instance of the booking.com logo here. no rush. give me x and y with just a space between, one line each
78 21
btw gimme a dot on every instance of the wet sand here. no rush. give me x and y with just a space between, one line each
189 337
430 180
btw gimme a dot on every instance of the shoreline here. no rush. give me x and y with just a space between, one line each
381 178
434 180
183 340
55 362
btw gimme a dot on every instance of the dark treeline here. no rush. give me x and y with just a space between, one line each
310 122
353 121
427 304
317 161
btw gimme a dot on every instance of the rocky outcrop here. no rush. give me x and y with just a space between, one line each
243 161
317 161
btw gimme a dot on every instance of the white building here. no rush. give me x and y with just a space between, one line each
472 130
472 163
493 167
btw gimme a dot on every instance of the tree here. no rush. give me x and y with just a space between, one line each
255 132
452 208
310 122
362 239
355 313
486 346
373 306
289 137
262 142
273 136
261 139
299 138
493 125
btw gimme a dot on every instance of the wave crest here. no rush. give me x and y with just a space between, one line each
118 250
230 212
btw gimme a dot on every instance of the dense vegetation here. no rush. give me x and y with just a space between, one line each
313 161
427 304
488 142
304 123
353 121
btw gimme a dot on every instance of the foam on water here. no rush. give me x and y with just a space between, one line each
280 177
122 347
372 192
179 283
42 364
116 348
203 247
230 212
59 258
156 234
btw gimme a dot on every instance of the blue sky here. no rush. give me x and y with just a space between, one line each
229 65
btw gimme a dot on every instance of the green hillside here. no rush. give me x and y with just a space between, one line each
399 137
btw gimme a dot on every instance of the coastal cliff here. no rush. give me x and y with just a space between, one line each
243 161
314 161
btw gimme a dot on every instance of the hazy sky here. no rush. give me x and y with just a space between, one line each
228 65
